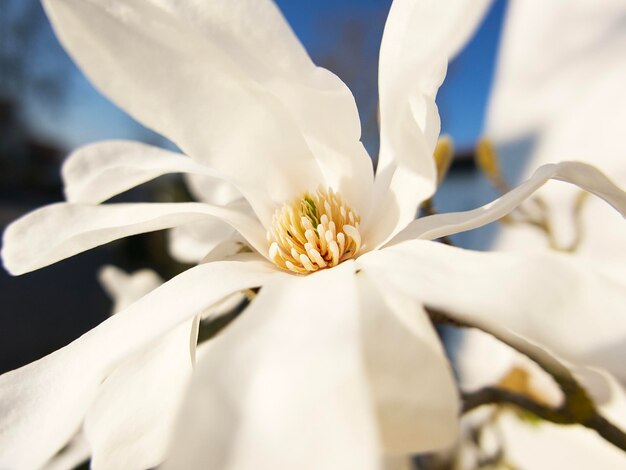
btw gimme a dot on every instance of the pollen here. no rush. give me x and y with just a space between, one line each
315 231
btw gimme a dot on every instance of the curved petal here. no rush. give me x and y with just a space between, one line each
168 76
191 242
411 380
208 189
61 230
128 425
419 38
43 403
568 101
584 176
130 422
259 41
289 366
96 172
574 308
541 82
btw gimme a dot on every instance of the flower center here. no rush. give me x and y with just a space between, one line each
315 231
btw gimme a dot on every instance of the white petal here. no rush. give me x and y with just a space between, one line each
61 230
124 288
259 41
411 380
546 446
539 113
420 36
530 94
97 172
129 424
208 189
571 307
75 453
584 176
193 242
481 360
166 74
43 403
284 387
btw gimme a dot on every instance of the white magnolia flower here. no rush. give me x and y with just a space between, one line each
335 363
558 93
543 112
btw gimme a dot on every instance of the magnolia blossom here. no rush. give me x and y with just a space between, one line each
335 364
538 113
543 112
558 93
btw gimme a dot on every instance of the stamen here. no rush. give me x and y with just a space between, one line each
315 231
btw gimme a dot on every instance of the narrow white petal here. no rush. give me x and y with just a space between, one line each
129 424
411 380
75 453
61 230
258 40
582 175
284 387
190 243
43 403
208 189
97 172
571 307
165 73
419 38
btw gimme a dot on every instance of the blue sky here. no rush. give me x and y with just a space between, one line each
332 31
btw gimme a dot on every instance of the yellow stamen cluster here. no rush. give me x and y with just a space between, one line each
315 231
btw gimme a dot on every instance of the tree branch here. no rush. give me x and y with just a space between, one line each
577 406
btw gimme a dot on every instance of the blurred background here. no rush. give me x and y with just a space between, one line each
47 109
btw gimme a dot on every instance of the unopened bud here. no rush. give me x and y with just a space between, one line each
444 154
